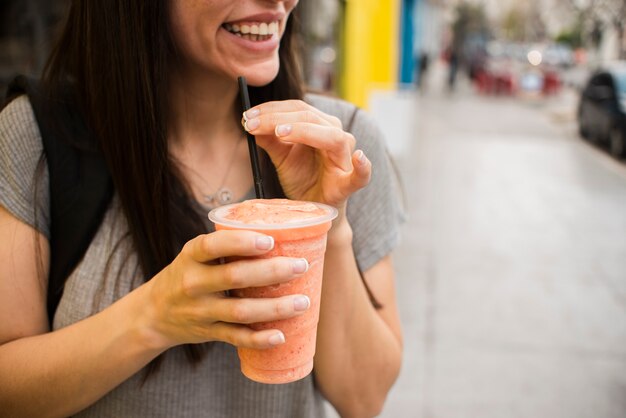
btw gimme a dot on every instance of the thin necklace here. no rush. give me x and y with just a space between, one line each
222 195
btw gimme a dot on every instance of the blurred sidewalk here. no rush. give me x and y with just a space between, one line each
512 270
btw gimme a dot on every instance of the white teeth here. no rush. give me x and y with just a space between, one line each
256 31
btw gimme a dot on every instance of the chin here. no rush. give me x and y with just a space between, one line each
260 75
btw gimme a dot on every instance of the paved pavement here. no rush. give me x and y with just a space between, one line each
512 269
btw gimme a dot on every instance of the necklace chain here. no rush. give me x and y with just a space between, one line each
222 194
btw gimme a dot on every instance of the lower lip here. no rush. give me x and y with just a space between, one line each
268 45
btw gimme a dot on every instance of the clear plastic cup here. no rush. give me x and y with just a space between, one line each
298 235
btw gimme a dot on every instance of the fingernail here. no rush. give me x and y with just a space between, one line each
300 266
360 157
301 303
276 339
265 243
251 124
249 114
283 130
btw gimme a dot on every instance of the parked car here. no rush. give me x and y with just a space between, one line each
602 108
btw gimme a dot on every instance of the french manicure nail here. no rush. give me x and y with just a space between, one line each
249 114
283 130
360 157
276 339
265 243
300 266
251 124
301 303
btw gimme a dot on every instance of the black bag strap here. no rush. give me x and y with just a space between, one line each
80 184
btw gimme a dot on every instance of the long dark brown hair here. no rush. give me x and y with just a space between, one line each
116 55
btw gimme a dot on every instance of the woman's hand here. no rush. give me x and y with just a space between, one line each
188 299
313 155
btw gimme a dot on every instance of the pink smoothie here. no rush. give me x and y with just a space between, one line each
299 230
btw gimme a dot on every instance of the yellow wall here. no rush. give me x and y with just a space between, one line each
370 48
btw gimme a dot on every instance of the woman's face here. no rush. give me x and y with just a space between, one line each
229 38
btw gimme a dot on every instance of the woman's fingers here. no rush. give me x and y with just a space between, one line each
199 279
249 311
337 143
267 122
289 106
362 172
351 181
242 336
209 247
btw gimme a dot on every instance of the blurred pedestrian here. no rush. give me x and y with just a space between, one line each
453 68
422 70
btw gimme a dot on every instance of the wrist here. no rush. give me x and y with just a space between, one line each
340 233
144 325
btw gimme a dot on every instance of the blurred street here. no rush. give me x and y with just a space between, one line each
512 271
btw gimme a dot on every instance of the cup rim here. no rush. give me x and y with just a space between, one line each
216 213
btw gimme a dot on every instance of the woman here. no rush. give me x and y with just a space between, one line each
144 326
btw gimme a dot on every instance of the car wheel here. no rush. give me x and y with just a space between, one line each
617 144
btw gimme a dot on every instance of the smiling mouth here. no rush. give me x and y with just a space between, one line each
253 31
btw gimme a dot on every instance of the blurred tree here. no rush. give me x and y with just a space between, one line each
598 15
523 23
513 25
572 36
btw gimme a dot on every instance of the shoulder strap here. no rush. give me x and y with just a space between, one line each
80 184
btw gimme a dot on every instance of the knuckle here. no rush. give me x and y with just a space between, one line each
206 244
338 138
281 309
310 116
239 240
243 336
239 312
232 277
188 283
219 332
305 130
230 337
257 340
335 121
350 139
271 120
281 268
299 104
187 249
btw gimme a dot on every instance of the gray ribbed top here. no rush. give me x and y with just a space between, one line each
215 387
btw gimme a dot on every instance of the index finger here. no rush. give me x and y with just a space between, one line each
286 106
227 243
